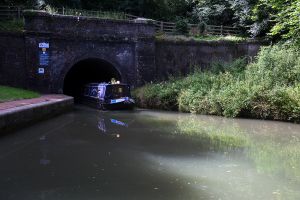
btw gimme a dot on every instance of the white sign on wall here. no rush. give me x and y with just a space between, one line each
44 45
41 70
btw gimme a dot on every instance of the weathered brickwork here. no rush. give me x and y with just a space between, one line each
12 60
179 58
128 46
73 39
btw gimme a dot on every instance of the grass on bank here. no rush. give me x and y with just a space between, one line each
16 25
268 88
200 38
11 94
220 38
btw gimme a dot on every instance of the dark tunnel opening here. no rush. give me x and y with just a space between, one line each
88 71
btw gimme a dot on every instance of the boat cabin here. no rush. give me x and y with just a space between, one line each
109 96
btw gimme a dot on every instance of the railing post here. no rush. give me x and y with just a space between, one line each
162 26
19 12
63 10
222 30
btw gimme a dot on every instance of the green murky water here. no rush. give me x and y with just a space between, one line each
89 154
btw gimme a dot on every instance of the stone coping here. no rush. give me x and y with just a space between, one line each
20 113
24 103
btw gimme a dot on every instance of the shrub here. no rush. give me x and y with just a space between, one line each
181 26
202 27
235 67
269 88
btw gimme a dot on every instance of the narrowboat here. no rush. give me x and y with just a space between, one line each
108 96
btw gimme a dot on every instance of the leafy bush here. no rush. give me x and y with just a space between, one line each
269 88
236 67
181 26
202 27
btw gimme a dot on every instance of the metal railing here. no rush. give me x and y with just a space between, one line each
193 29
90 13
11 12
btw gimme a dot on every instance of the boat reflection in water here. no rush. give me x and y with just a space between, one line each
111 127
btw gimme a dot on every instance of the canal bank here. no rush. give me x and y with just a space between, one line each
16 114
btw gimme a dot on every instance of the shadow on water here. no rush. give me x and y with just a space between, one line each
90 154
77 156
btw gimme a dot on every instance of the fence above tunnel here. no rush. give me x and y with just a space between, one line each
11 12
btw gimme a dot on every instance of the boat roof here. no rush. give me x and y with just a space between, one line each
103 84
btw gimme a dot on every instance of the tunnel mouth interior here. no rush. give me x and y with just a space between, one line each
88 71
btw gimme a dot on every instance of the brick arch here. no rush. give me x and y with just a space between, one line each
59 83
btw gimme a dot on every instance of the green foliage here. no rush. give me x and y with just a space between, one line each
260 16
10 94
181 26
269 88
155 9
165 99
213 12
287 20
230 38
236 67
277 19
202 27
181 38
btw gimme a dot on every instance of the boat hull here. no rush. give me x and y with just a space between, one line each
98 104
119 106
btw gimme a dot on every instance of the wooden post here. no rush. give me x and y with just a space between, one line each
222 30
19 12
162 26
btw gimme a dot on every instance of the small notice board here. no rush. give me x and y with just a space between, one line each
44 57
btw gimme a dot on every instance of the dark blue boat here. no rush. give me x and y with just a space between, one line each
108 96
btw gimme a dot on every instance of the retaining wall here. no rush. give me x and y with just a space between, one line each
12 60
17 117
179 58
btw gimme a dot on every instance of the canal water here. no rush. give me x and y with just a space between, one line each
89 154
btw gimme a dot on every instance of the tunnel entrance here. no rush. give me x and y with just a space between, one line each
88 71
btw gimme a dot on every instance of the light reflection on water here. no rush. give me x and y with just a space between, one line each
89 154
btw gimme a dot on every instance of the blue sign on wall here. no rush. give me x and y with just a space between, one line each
44 58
